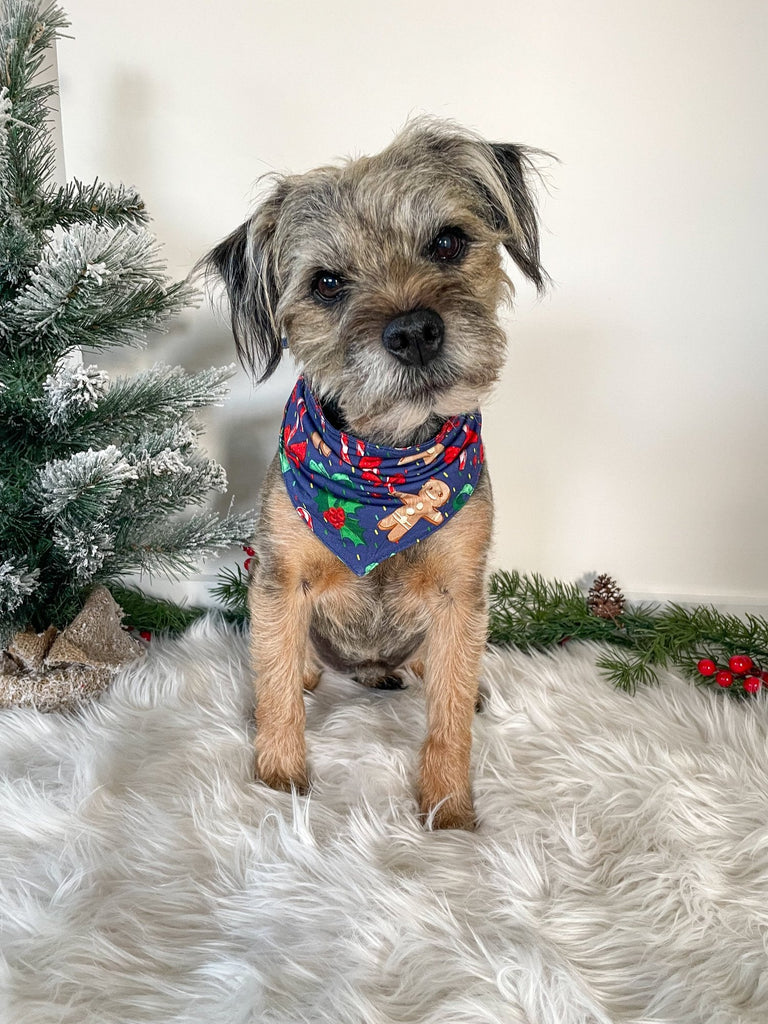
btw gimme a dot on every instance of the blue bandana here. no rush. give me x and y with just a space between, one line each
364 501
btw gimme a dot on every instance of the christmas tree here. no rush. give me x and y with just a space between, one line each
98 477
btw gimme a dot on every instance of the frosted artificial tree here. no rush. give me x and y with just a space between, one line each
98 477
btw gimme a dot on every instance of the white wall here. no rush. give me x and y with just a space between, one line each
629 433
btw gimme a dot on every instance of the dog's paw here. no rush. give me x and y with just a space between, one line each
450 813
285 783
390 683
282 777
310 679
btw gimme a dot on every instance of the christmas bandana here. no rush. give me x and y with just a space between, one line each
364 501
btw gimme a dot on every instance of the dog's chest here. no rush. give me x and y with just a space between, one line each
375 620
368 626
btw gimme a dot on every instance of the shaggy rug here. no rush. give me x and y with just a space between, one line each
619 872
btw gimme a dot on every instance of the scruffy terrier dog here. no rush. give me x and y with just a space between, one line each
384 275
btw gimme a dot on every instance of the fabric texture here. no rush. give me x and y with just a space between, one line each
618 875
366 501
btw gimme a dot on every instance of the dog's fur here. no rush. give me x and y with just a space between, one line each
372 224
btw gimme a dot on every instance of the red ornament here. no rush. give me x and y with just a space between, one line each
752 684
724 678
706 667
740 664
335 516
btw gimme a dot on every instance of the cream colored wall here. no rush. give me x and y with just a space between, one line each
628 435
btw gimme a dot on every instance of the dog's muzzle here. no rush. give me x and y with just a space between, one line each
414 338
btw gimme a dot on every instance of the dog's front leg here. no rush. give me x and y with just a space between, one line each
455 649
454 585
280 616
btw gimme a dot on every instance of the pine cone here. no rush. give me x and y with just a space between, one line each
605 599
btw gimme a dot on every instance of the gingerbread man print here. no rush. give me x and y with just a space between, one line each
319 443
426 456
424 505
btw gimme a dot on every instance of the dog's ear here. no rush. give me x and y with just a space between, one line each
512 207
501 175
245 261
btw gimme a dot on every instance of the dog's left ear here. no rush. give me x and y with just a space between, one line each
513 208
501 175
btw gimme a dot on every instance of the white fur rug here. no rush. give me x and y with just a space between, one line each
619 872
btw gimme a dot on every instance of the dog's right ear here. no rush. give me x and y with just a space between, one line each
245 261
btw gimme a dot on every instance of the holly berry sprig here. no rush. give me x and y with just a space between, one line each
741 670
250 553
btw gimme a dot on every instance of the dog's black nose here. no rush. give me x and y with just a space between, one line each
415 338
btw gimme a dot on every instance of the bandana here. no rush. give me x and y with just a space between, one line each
365 501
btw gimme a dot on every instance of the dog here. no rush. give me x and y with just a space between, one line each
384 276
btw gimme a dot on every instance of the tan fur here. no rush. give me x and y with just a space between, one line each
371 222
434 592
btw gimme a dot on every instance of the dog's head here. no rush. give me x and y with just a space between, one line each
385 275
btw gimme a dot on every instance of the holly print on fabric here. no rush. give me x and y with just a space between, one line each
366 501
339 513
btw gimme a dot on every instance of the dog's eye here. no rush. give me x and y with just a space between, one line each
449 245
327 286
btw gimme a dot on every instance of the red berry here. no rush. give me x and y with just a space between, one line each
249 551
764 676
751 684
247 564
145 635
724 678
740 664
335 516
706 667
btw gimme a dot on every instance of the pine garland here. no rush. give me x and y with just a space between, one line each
232 592
532 613
148 614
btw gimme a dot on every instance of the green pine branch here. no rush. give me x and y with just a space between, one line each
154 495
98 203
173 548
532 613
148 401
27 29
143 611
232 592
95 288
27 152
